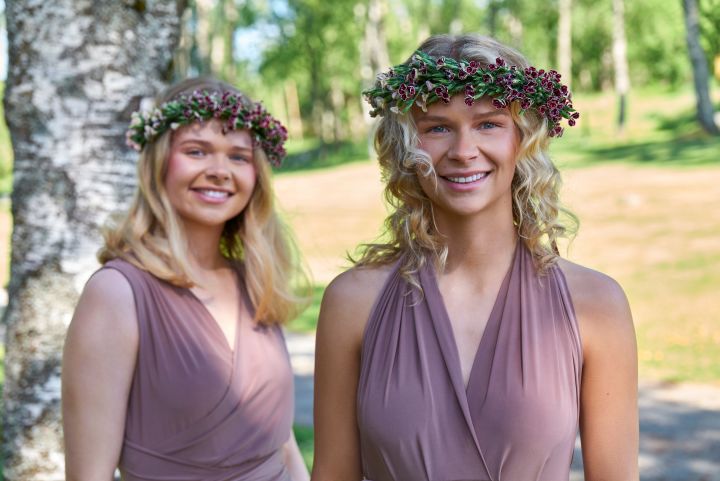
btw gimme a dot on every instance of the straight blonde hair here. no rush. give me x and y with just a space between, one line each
150 235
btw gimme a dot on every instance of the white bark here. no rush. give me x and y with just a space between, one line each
622 75
77 70
564 49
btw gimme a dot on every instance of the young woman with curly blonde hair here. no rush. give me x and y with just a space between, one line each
462 346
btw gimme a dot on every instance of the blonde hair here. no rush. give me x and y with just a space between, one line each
150 235
410 228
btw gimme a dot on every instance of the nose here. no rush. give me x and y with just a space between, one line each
218 168
464 146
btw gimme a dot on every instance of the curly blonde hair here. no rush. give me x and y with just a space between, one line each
150 235
410 228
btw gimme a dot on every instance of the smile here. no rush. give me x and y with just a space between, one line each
466 180
214 194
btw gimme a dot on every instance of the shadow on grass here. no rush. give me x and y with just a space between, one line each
319 156
676 152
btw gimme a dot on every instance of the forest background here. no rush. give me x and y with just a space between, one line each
641 170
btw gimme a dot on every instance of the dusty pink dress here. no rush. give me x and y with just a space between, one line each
517 419
200 409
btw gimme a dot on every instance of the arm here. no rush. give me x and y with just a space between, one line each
294 460
98 364
608 398
345 308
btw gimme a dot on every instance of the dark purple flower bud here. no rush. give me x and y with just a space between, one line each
469 101
499 104
487 78
469 89
450 76
492 67
571 122
499 62
441 61
474 64
564 89
446 98
525 104
411 91
462 74
576 115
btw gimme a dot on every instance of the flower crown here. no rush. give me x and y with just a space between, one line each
229 107
425 80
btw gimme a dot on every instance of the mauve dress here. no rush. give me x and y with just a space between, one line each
518 417
199 409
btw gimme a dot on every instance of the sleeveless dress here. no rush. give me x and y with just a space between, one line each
518 417
200 409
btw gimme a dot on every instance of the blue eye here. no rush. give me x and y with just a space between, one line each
195 152
438 128
239 158
487 125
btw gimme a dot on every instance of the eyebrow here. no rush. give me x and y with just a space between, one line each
208 145
482 115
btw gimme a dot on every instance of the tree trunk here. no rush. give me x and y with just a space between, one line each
77 70
622 76
374 57
564 48
700 68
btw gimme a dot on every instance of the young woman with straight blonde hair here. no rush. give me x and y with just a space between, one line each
464 347
175 367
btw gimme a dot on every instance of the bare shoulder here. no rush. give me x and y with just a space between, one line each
349 298
105 313
601 306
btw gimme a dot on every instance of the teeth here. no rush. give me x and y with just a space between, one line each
465 180
216 194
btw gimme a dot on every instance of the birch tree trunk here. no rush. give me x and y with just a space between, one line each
700 68
622 76
564 48
77 69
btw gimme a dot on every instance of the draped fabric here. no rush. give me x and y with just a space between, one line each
200 409
517 418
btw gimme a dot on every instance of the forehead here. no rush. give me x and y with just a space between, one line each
212 132
458 108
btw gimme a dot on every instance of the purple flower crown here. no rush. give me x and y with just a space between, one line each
200 106
425 80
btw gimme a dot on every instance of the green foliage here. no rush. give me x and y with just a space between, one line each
6 152
305 437
709 23
657 49
307 321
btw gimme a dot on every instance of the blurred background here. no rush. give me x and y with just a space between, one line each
641 169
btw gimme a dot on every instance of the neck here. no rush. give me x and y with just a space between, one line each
203 252
480 244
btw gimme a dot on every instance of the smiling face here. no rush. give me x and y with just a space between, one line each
473 151
210 175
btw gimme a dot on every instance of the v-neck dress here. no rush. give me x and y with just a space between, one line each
518 417
200 409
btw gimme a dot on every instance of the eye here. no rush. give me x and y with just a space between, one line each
239 158
488 125
437 129
195 152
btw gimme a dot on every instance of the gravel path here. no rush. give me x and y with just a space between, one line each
679 423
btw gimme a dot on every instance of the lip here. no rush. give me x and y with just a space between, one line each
200 192
464 186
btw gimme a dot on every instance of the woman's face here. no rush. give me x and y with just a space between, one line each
473 150
210 174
